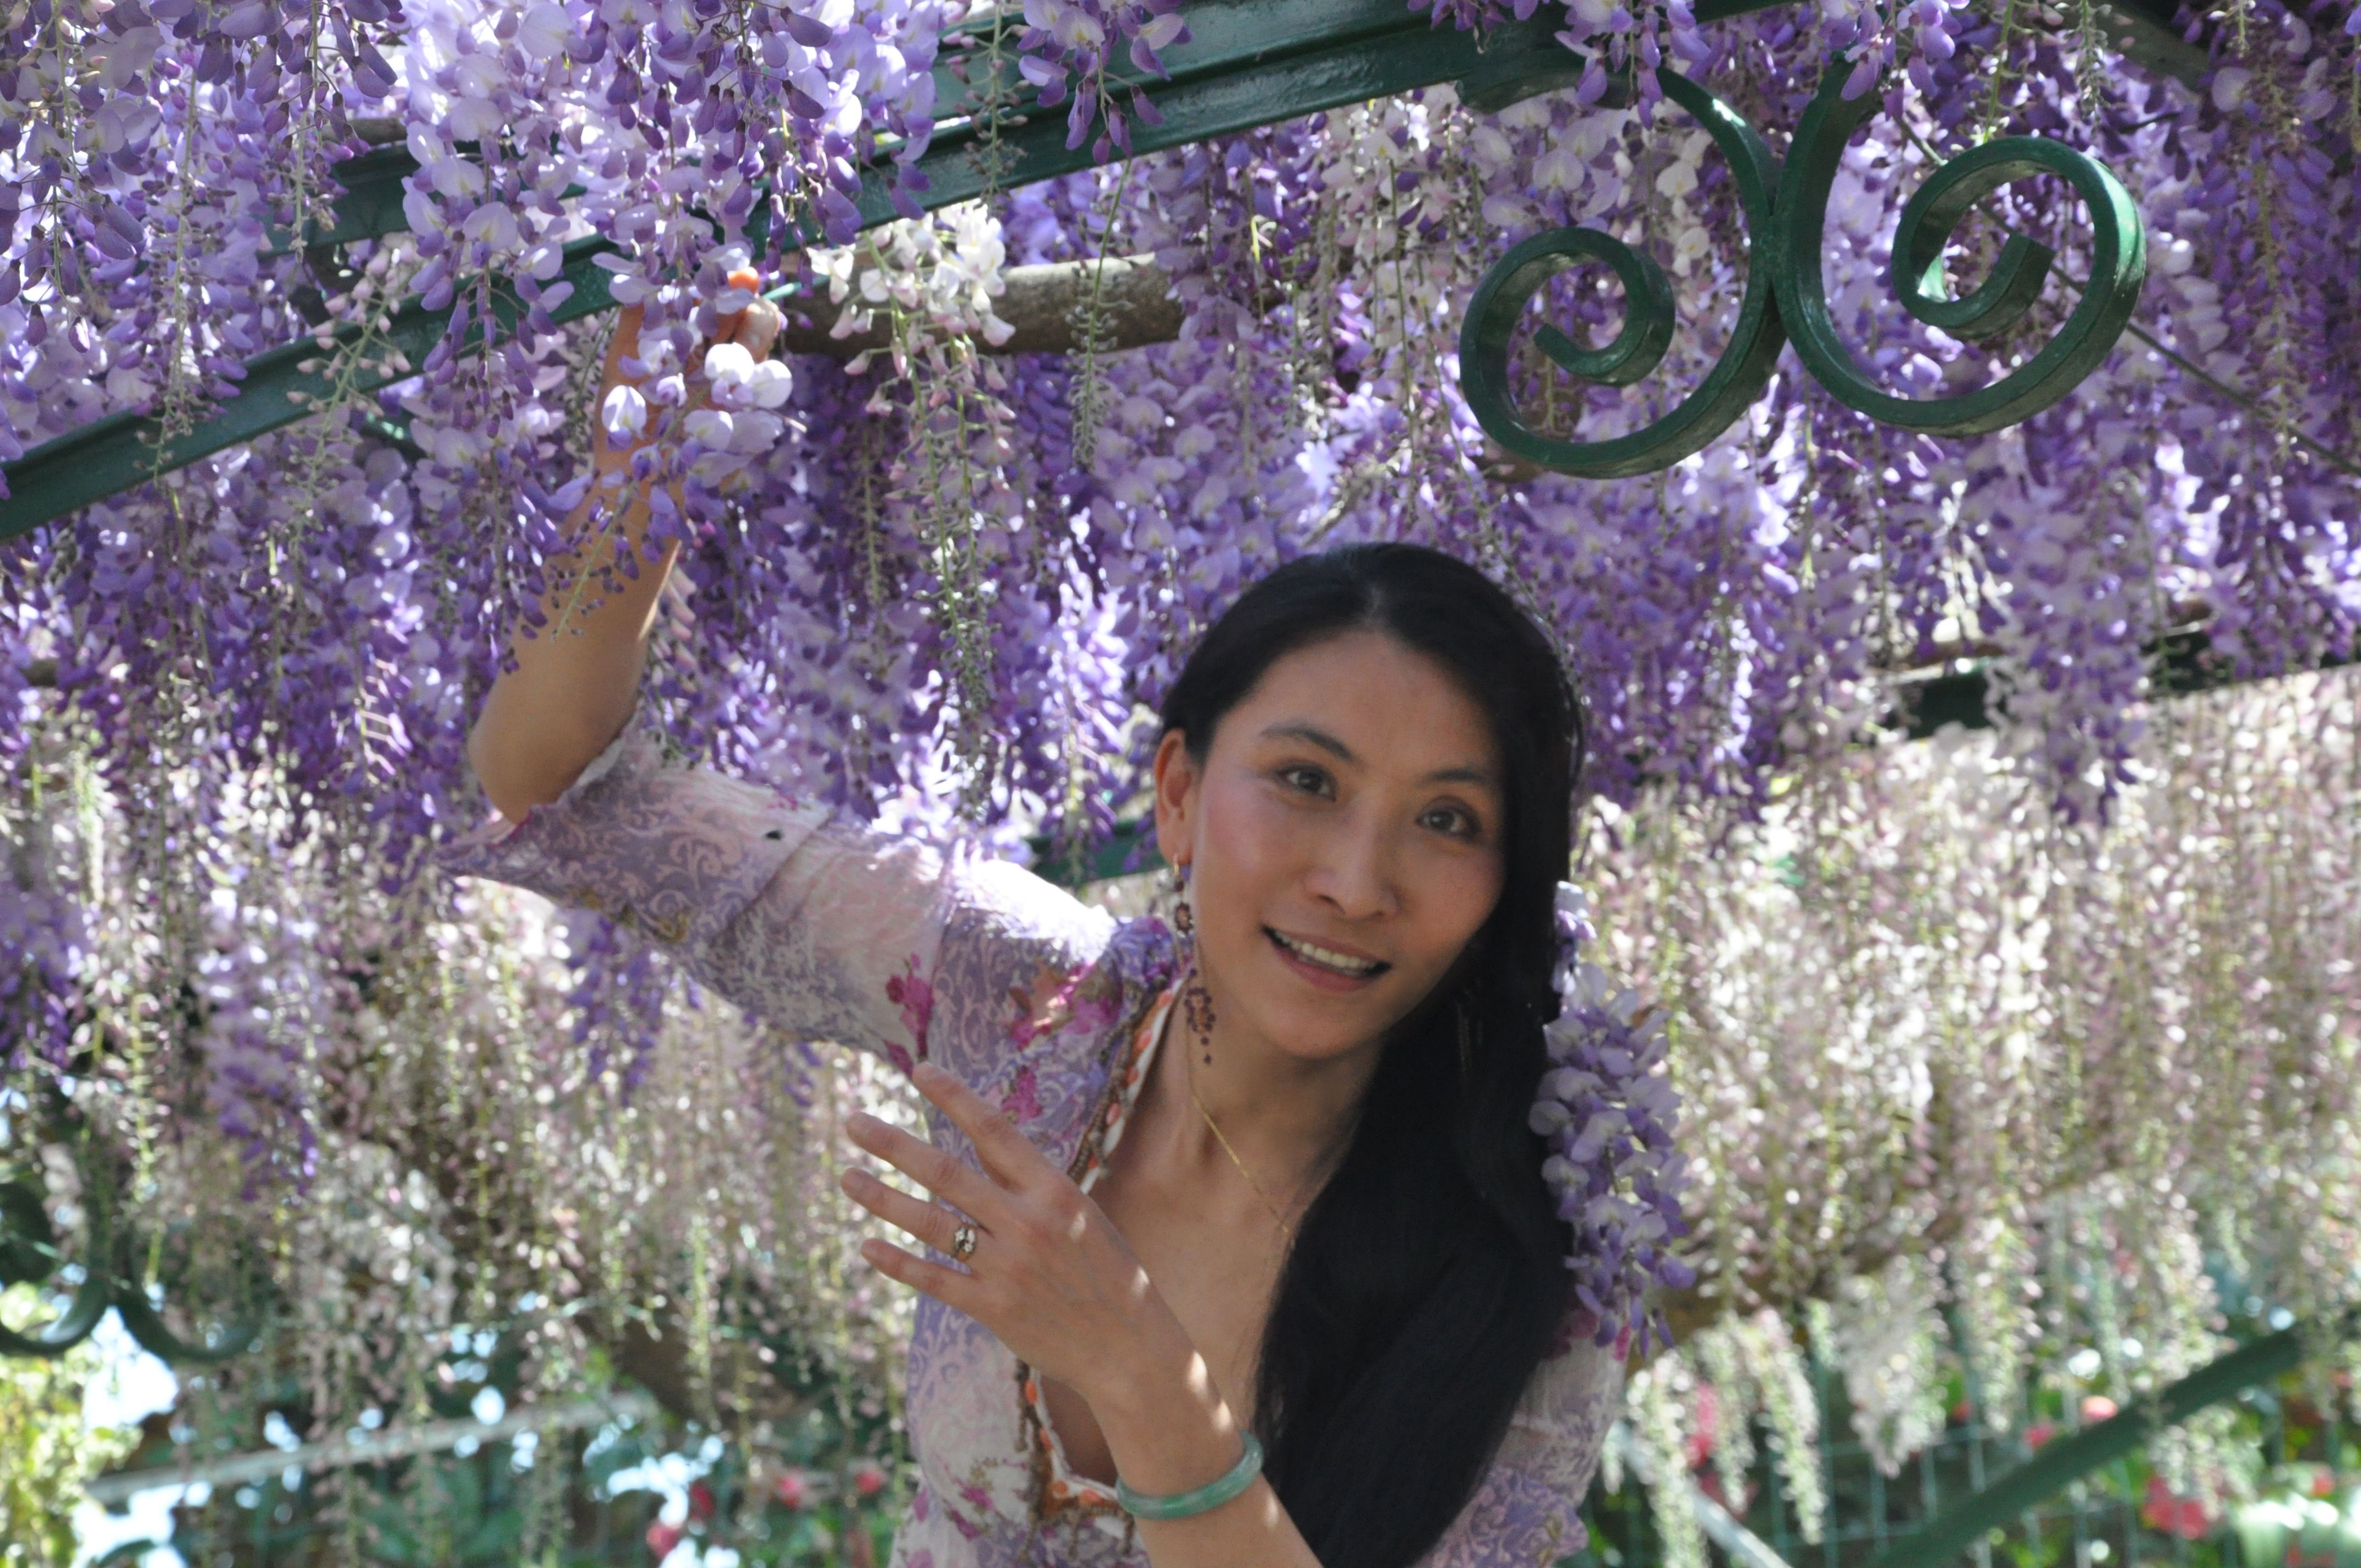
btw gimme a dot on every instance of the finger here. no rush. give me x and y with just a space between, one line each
948 1286
754 329
624 342
953 1180
1007 1154
626 339
930 1222
726 328
759 328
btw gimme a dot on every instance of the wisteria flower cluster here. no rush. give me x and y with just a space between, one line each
1608 1112
1995 1093
1067 47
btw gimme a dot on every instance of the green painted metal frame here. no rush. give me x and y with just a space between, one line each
1253 62
1250 62
29 1253
1497 309
2181 664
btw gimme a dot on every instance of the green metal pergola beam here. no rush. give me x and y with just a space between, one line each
1250 62
2181 664
1246 63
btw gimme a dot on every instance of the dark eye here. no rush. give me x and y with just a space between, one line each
1469 828
1298 770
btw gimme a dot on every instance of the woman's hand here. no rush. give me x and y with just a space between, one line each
1052 1278
570 687
620 425
1049 1274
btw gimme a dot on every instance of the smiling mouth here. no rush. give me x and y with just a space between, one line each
1326 957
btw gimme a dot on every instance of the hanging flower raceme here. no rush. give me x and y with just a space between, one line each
1631 45
1608 1114
1067 47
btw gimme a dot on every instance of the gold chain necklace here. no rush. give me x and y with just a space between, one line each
1285 1229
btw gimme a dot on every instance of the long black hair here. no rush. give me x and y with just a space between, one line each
1427 1279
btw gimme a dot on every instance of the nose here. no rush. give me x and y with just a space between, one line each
1352 872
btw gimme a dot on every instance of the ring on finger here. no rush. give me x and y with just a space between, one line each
963 1243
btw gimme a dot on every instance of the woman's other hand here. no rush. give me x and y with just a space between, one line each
1049 1274
1055 1281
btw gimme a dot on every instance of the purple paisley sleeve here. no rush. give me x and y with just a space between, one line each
823 925
1525 1512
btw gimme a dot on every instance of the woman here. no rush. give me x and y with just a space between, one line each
1241 1254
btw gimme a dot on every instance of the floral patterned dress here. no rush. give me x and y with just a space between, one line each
1048 1007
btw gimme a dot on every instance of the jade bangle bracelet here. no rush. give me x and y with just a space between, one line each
1205 1499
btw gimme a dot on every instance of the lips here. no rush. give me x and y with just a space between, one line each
1325 961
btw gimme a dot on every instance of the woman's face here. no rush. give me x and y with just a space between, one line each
1344 840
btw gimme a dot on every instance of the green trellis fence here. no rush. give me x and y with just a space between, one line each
1988 1500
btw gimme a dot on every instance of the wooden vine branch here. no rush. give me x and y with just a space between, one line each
1042 304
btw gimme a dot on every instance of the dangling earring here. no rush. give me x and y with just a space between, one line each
1466 1038
1196 1001
1174 894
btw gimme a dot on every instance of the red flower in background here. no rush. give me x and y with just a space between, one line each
662 1538
1708 1424
790 1488
2168 1511
869 1480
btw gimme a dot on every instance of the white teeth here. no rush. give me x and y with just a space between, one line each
1326 959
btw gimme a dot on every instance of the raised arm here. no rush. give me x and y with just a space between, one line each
823 925
575 683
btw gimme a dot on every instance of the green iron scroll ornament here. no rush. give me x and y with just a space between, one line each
1736 378
2118 268
30 1254
1786 213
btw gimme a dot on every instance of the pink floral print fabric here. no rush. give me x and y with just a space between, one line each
1046 1006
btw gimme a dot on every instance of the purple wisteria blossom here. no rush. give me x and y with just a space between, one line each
1608 1114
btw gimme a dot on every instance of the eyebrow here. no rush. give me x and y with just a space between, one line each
1299 730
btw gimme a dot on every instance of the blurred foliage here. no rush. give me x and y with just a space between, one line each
820 1489
45 1451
